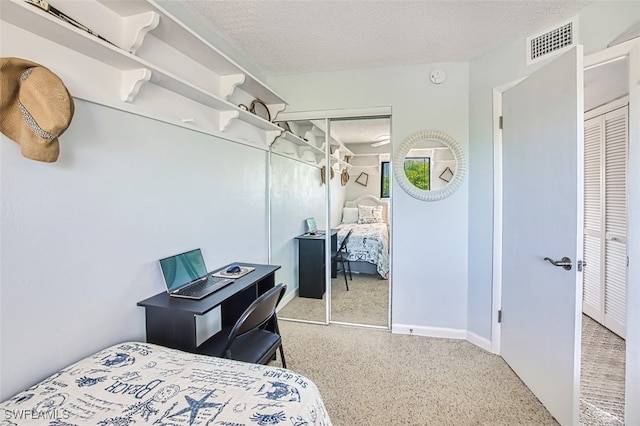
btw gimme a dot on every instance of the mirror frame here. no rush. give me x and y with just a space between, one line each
436 194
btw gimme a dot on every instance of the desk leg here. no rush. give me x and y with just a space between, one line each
171 328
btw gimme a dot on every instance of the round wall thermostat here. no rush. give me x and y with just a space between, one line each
437 76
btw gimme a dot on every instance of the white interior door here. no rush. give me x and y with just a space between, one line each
542 217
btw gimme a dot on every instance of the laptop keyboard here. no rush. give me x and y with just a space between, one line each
211 284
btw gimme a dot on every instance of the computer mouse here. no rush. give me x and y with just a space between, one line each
233 269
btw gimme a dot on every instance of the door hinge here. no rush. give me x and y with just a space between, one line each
500 316
500 122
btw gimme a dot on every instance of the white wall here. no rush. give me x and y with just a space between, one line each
429 238
355 190
81 237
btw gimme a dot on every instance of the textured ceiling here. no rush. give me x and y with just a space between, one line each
361 131
299 36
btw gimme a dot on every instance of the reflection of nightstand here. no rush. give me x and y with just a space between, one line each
311 255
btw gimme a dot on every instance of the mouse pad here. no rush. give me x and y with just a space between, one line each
244 270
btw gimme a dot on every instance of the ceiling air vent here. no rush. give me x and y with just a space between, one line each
551 42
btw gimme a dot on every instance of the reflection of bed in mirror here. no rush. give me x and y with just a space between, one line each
368 245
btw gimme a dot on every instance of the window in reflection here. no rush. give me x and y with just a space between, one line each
418 171
384 180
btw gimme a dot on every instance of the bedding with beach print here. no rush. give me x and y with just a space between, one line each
369 242
144 384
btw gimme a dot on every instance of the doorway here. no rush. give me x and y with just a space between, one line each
630 50
605 238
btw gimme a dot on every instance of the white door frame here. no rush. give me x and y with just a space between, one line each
632 49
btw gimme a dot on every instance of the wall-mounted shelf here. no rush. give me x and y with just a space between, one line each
296 148
153 65
312 138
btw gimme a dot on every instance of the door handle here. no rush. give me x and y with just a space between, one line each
565 262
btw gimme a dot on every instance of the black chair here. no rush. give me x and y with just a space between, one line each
255 337
342 255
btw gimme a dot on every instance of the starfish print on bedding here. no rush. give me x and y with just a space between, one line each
196 405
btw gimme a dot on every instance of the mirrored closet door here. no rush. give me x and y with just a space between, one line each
336 173
298 216
359 200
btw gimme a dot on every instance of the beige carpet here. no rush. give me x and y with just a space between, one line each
366 302
372 377
603 372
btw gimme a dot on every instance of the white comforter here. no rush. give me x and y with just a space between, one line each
143 384
368 243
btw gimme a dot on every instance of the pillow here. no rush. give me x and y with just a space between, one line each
370 214
350 215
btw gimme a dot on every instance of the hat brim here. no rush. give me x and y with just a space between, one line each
13 124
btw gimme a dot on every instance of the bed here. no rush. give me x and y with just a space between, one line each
141 383
368 245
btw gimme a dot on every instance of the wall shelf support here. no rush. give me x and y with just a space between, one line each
131 82
136 27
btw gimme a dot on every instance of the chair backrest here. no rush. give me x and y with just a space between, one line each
257 314
343 245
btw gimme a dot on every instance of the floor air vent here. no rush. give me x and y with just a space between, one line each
551 42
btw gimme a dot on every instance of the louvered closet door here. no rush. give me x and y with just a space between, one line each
592 298
615 265
605 219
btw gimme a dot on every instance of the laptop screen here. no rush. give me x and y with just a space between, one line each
182 268
311 225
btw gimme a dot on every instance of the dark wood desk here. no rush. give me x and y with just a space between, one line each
174 322
311 256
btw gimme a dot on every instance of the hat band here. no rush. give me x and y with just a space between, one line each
31 122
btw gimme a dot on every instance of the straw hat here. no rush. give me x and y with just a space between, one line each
35 108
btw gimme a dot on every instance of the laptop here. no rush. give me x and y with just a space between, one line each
185 275
312 227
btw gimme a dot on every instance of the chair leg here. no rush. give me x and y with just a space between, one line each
344 271
284 362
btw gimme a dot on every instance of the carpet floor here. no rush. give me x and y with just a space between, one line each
373 377
603 371
366 302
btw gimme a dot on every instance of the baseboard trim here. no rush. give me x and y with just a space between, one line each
443 333
479 341
288 297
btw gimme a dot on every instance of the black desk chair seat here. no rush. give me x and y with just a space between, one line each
342 255
256 337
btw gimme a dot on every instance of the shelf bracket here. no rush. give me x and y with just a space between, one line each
222 119
136 27
271 136
276 109
308 156
131 81
279 146
303 150
228 83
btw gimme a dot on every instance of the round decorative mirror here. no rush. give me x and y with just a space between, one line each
429 165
